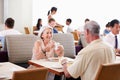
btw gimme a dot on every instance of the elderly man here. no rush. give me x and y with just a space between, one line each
89 59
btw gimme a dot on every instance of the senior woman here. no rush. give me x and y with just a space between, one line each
45 47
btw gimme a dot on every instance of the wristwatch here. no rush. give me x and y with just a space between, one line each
63 62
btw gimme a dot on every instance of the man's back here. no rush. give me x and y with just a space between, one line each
9 32
9 28
90 58
98 53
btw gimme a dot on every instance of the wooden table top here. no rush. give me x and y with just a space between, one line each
7 69
53 66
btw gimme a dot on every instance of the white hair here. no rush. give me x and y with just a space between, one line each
42 29
93 27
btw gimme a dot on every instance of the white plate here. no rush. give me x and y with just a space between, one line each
57 66
53 59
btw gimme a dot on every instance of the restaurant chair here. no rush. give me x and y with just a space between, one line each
76 38
67 40
30 74
82 40
75 35
35 29
109 72
59 28
78 48
3 56
27 31
20 47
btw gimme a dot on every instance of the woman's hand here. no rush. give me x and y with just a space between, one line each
49 46
60 51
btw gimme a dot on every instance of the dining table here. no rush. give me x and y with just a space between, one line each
53 64
7 69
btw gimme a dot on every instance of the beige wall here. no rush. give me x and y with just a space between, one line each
1 14
21 11
1 11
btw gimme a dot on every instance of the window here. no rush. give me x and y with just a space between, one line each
101 11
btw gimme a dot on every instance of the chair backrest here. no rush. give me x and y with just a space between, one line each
59 28
34 28
83 40
67 41
27 31
20 47
109 72
75 35
30 74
